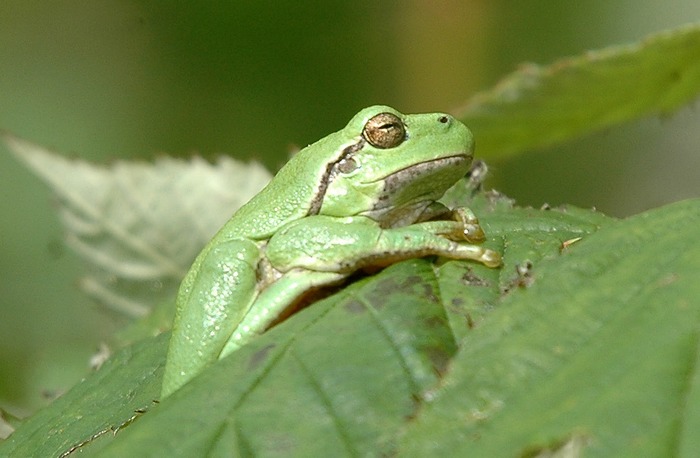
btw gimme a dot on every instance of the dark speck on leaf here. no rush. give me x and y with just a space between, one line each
259 357
524 277
410 281
434 322
470 321
355 306
439 358
428 292
388 286
471 279
417 401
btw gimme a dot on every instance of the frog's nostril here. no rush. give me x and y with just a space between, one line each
444 119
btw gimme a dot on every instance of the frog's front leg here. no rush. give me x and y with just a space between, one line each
468 230
321 250
344 245
213 298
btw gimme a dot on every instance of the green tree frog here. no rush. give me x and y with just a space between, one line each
363 196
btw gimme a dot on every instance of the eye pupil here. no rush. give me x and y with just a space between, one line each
385 130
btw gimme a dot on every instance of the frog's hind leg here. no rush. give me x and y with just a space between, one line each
213 299
274 300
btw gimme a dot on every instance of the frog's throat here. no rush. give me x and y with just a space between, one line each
397 180
401 200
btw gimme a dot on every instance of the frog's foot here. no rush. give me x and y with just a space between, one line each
470 231
491 258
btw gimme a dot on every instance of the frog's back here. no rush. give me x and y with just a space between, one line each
289 196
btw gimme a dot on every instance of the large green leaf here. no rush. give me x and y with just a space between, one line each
96 407
540 105
601 351
594 345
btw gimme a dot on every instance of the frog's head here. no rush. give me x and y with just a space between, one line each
393 166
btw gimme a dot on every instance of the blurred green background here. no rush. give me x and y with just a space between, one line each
109 80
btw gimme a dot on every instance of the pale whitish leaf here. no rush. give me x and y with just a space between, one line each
139 225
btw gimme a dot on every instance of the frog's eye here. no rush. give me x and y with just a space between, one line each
385 130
